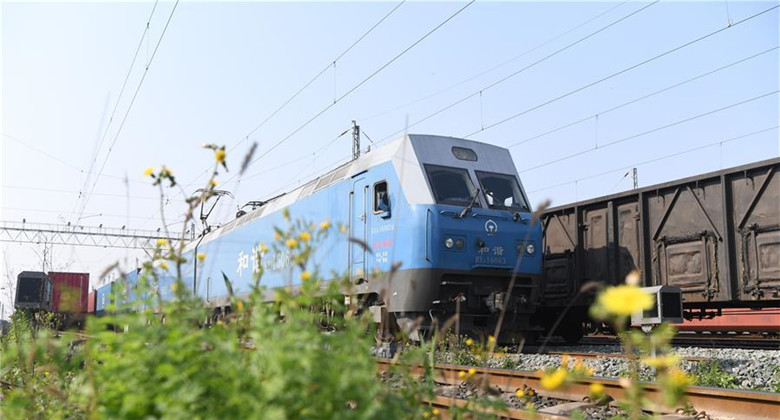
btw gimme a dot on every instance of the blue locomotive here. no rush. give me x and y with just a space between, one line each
450 214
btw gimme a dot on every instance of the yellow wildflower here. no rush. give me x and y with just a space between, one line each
162 242
554 380
531 392
472 372
263 248
678 378
213 183
596 390
305 275
164 265
45 373
491 339
292 243
240 305
342 228
305 236
426 414
201 256
149 171
435 411
625 300
165 171
469 342
519 393
174 287
661 362
219 155
325 225
462 375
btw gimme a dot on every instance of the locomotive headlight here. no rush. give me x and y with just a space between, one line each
530 249
449 243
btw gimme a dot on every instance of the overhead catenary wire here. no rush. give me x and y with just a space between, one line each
663 127
129 107
643 97
54 190
234 177
358 85
119 97
627 69
69 165
521 70
306 85
656 159
497 66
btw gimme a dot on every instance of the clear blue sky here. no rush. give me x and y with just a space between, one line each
221 69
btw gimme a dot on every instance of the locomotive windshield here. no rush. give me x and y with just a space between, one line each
502 191
450 185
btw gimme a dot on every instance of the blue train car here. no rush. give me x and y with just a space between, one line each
450 213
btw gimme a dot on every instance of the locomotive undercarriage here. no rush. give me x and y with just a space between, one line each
432 299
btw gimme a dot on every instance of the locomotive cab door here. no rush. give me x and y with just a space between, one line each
358 229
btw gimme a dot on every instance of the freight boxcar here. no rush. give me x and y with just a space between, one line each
716 236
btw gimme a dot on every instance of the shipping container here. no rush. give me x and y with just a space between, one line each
70 292
716 236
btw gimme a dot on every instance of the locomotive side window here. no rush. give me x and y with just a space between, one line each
502 191
381 199
450 185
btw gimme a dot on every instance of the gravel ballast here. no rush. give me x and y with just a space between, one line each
751 369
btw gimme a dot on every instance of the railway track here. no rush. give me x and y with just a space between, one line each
715 402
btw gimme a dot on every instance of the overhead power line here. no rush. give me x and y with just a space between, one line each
627 69
306 85
119 98
27 188
521 70
358 85
641 98
663 127
644 162
69 165
497 66
109 215
129 107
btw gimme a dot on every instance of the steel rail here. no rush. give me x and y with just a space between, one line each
716 402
